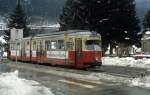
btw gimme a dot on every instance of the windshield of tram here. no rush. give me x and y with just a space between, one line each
93 45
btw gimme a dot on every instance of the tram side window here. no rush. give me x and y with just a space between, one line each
53 45
38 46
28 46
70 44
34 45
79 44
93 45
60 44
12 46
18 46
47 45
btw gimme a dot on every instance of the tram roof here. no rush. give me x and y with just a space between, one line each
68 32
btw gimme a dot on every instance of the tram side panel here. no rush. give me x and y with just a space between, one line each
75 53
26 56
34 51
44 52
57 57
23 51
41 54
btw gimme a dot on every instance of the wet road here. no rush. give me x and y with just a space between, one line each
130 72
74 86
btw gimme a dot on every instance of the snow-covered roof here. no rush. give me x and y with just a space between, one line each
61 33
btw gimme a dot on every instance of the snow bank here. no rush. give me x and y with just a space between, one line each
11 84
143 82
2 39
128 61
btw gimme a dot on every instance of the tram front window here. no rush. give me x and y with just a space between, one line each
93 45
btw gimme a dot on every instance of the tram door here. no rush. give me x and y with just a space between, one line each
78 51
39 50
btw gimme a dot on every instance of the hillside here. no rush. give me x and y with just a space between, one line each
38 10
47 11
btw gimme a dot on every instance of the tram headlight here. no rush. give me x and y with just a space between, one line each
97 59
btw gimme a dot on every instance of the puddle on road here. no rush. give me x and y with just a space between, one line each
4 68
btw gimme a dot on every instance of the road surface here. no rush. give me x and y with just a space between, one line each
70 84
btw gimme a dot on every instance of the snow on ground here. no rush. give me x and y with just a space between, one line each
143 82
11 84
127 61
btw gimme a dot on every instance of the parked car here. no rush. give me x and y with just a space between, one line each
140 55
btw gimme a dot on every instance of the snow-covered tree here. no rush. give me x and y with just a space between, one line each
18 19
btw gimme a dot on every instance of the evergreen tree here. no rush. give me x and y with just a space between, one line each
116 21
123 21
81 14
18 19
146 22
73 17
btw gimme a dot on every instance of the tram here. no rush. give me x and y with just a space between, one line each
75 48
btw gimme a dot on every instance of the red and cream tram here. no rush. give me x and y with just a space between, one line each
77 48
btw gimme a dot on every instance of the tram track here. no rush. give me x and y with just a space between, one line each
128 72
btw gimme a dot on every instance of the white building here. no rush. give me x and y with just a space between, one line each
146 43
3 26
16 34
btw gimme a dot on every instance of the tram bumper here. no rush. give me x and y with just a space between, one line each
94 64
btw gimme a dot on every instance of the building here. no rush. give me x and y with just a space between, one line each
146 42
3 26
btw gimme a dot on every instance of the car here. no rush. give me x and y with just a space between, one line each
140 55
